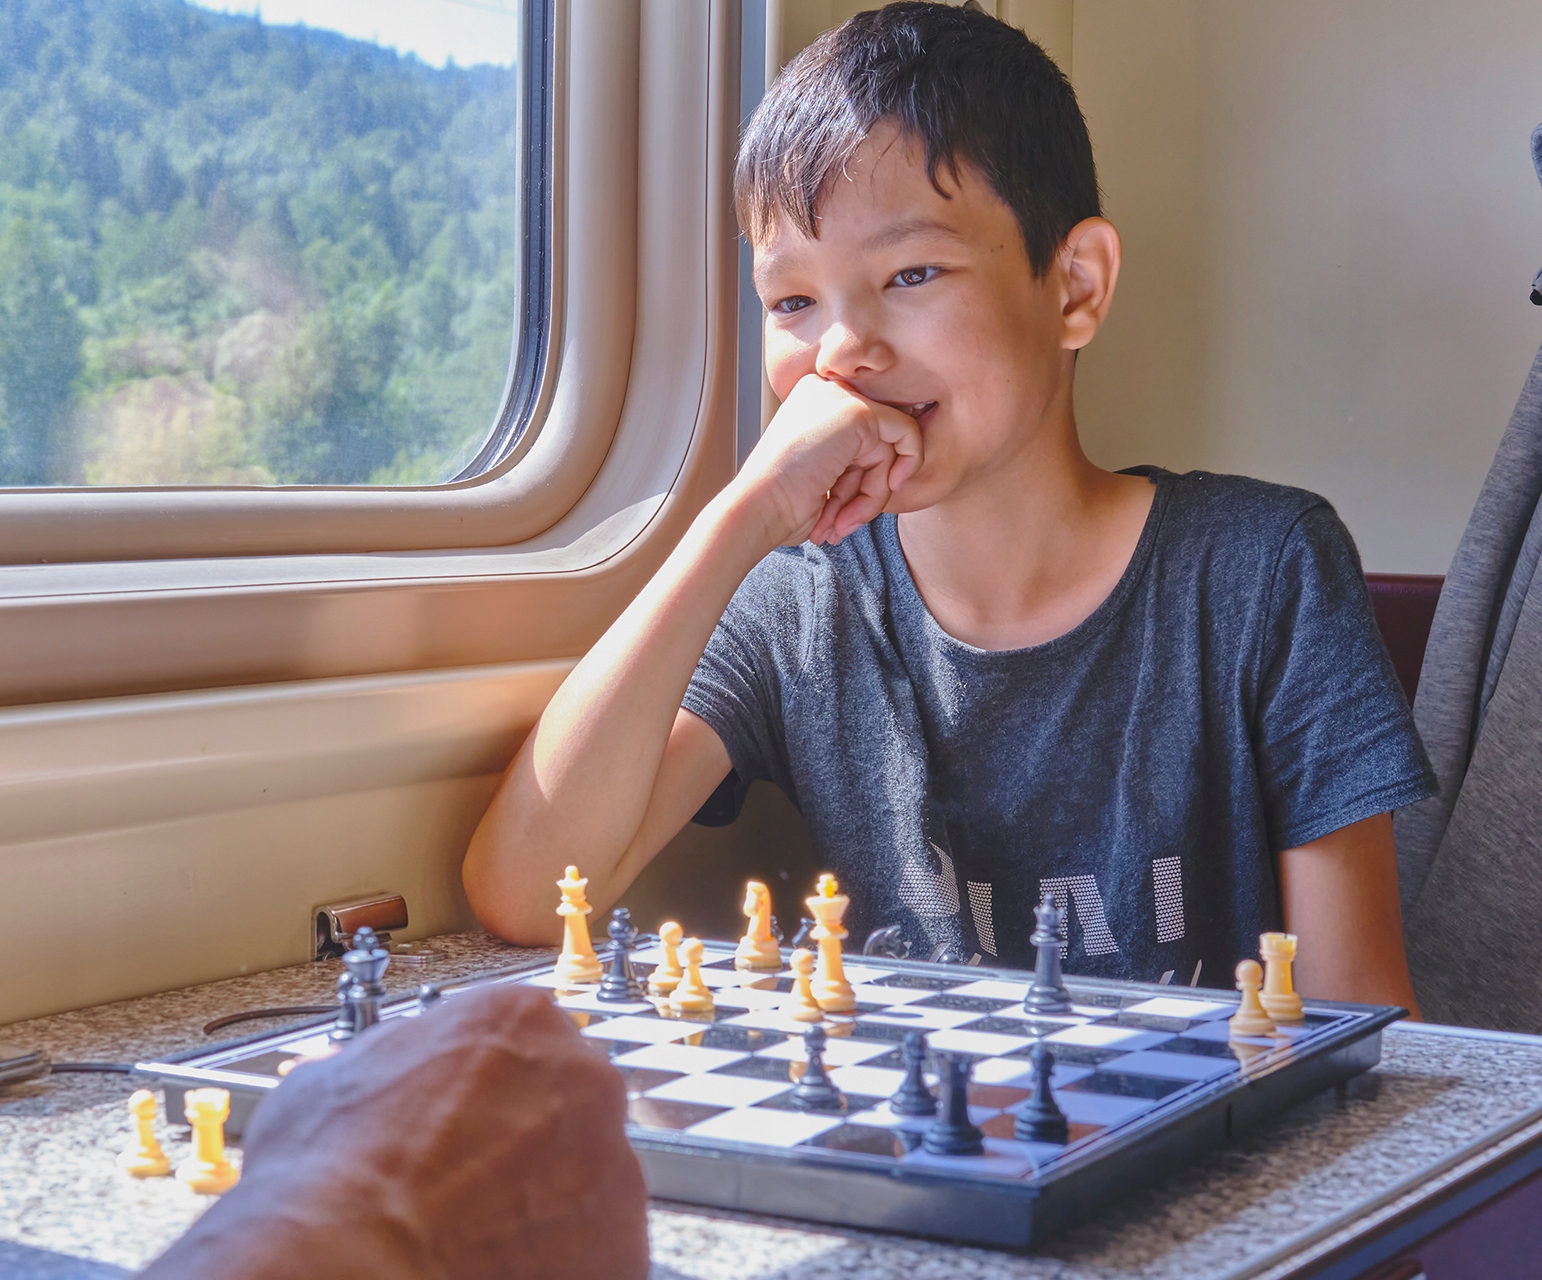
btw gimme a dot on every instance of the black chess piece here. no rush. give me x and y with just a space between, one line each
952 1133
1041 1119
816 1091
1047 993
620 985
429 995
913 1098
342 1025
366 962
802 937
887 942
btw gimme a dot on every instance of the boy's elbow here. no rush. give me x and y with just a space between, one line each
492 886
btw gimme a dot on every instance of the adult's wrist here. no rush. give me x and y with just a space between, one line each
289 1211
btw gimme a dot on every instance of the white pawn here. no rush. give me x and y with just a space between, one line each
667 973
1251 1019
800 1004
692 995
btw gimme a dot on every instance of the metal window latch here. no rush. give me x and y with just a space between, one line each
337 923
17 1064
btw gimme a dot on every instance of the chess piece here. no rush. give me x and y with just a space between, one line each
1047 993
207 1170
143 1157
800 1004
577 964
620 985
1041 1119
827 906
1279 997
1251 1018
815 1091
691 994
757 950
888 941
667 973
366 962
429 995
952 1133
913 1098
804 934
342 1025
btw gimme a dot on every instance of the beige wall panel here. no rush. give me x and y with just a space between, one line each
111 914
1050 22
1331 224
152 842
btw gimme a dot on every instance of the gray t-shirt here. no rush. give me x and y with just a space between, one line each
1231 698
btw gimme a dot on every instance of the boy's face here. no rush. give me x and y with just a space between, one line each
922 302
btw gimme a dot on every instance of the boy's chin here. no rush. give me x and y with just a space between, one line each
912 499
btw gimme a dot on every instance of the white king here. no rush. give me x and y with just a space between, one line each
827 906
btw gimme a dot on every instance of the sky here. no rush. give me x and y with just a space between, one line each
468 31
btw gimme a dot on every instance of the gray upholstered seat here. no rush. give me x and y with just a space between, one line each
1470 859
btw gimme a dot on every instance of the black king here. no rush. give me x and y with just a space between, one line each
1047 994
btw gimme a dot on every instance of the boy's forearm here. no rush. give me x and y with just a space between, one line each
579 787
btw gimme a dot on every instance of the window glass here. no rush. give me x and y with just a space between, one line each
254 244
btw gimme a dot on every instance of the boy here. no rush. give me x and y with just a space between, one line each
981 666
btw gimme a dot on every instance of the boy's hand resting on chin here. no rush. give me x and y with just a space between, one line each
828 463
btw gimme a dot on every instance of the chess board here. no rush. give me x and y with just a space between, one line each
1147 1077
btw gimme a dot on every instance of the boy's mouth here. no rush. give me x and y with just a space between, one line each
918 410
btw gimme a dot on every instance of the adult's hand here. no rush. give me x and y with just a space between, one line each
483 1139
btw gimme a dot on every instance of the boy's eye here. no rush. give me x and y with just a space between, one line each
787 306
912 276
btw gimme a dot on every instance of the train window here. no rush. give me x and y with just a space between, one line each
256 244
525 461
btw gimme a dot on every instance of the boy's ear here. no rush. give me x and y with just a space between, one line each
1088 265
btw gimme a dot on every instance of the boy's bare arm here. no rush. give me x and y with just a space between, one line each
614 767
1341 899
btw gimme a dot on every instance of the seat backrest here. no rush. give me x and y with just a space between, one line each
1405 608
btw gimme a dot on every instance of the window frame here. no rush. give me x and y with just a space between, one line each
527 486
108 593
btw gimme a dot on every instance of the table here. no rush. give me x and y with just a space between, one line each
1450 1121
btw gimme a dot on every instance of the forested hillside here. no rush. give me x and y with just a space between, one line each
238 253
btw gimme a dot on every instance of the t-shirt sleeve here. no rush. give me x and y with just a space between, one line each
738 687
1335 739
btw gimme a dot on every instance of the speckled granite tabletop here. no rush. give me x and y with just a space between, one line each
67 1212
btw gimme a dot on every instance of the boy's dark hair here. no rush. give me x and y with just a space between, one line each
967 87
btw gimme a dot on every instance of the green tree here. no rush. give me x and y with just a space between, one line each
40 337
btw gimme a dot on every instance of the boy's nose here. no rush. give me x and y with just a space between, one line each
847 349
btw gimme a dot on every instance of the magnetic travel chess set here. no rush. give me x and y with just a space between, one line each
984 1105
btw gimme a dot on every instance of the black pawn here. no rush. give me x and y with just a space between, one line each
913 1098
951 1133
815 1091
1047 993
1041 1119
620 985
